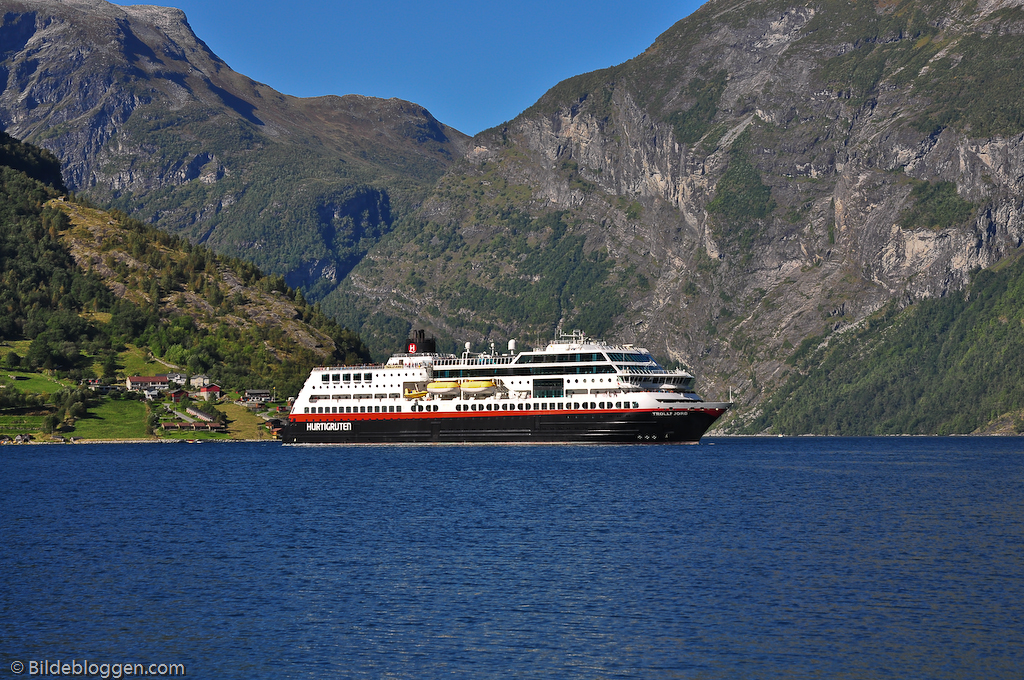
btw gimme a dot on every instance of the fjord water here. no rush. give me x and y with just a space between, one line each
766 558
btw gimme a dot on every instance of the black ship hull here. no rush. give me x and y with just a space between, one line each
679 426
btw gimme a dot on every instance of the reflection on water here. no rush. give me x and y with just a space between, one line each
830 558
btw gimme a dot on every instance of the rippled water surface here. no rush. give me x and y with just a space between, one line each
766 558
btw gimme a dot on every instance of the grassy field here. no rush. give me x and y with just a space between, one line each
19 346
135 361
32 383
113 420
243 424
15 425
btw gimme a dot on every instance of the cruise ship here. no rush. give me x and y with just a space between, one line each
576 389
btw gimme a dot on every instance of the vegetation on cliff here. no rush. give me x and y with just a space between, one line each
942 366
80 284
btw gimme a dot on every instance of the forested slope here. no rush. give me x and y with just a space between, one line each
80 283
947 366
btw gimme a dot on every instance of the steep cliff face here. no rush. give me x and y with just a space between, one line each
141 113
765 173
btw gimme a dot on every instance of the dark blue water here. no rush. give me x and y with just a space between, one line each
763 558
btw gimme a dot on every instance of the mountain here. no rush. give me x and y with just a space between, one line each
766 181
146 118
765 173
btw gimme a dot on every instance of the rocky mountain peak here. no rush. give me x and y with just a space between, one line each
137 107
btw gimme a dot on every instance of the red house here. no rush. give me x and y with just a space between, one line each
210 392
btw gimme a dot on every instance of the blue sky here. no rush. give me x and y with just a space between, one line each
473 65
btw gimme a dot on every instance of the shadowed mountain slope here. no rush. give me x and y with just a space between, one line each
144 116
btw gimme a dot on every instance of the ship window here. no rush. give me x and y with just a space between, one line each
305 410
636 404
458 407
357 376
367 377
376 409
575 404
325 378
618 404
336 377
593 404
362 409
347 377
348 409
399 409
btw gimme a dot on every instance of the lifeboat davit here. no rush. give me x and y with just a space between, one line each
478 387
443 387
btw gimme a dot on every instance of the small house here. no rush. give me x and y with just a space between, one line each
200 380
210 392
259 396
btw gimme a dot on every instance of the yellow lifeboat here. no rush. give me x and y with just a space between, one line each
478 387
415 394
443 387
